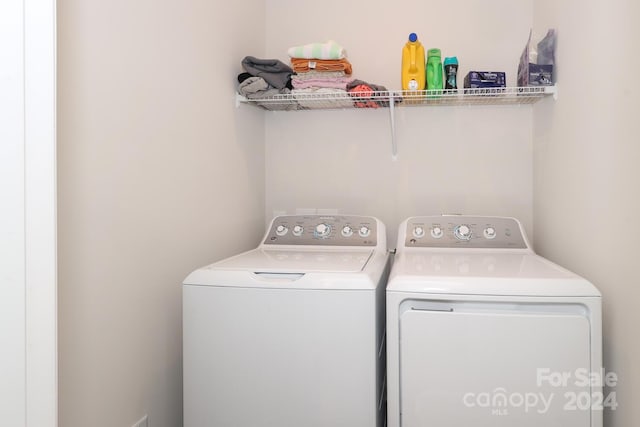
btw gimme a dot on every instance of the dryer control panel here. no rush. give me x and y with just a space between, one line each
460 231
323 230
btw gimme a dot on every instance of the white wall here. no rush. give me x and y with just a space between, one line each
12 222
158 174
451 160
586 172
40 212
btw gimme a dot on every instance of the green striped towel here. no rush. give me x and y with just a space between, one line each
328 50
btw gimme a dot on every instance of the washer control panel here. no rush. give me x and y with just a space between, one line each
323 230
457 231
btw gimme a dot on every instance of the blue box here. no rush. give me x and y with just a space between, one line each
484 79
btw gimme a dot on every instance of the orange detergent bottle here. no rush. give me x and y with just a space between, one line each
413 64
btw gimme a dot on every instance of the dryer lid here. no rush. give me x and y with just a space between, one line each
485 273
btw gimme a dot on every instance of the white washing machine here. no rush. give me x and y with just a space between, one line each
291 333
483 332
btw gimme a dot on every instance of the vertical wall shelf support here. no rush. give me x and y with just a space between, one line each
392 117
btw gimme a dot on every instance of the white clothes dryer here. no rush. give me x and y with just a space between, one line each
291 333
483 332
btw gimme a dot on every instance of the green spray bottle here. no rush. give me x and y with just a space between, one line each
434 69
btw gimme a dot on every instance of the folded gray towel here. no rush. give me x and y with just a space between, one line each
275 72
252 85
256 88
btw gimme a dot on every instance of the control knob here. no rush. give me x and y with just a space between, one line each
437 232
490 233
418 232
347 231
462 232
364 231
323 230
297 230
281 230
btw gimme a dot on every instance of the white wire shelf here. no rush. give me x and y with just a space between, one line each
327 100
380 99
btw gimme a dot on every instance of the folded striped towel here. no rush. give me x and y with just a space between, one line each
328 50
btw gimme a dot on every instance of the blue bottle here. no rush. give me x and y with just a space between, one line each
451 72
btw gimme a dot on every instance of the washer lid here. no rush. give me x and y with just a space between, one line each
484 273
297 261
297 268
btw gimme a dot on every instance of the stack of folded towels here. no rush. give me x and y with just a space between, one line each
321 69
319 77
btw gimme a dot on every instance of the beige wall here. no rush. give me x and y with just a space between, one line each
586 175
473 160
159 173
